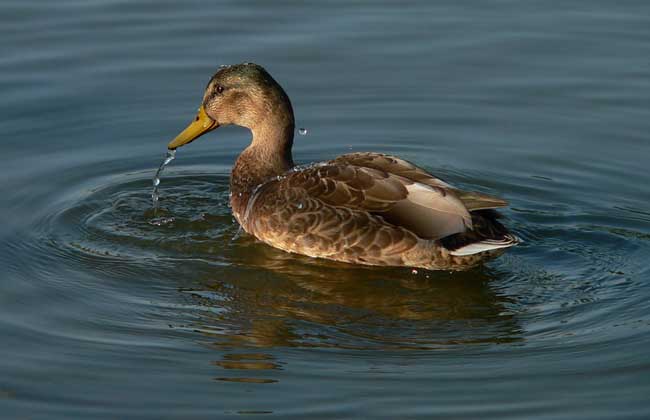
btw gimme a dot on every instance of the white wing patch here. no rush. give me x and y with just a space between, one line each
427 196
429 212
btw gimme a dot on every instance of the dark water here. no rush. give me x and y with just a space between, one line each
104 314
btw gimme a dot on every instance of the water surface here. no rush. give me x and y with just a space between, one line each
104 314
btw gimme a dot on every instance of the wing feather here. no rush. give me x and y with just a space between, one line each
431 212
471 199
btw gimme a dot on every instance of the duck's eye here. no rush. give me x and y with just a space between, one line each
219 89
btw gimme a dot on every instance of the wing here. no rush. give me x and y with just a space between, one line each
292 220
431 212
394 165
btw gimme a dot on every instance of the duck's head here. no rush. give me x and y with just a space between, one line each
241 94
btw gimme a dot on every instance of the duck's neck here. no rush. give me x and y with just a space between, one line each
268 155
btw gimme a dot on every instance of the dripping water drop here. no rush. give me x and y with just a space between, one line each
302 131
171 154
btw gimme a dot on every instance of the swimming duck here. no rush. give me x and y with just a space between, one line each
365 208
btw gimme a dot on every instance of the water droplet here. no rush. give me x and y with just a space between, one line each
302 131
171 154
237 234
414 271
238 194
300 168
299 205
161 221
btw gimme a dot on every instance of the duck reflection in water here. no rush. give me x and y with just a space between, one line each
299 301
293 301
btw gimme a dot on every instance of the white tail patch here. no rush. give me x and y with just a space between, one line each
487 245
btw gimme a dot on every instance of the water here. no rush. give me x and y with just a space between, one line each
106 315
171 155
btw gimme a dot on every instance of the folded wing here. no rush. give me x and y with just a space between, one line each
472 200
429 211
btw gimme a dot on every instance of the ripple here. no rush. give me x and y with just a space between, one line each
169 315
244 294
117 221
182 277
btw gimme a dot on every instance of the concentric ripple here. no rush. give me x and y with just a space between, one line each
183 279
118 221
247 294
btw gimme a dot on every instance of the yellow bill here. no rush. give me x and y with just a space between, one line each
201 125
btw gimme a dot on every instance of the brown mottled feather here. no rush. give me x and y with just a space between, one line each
356 214
394 165
292 220
428 212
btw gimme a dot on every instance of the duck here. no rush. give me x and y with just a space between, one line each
361 208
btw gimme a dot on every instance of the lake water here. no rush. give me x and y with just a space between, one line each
104 314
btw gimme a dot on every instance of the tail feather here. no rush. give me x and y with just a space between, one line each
486 245
487 235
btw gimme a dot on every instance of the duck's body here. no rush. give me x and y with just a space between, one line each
364 208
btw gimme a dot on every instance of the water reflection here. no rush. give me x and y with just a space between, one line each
297 301
247 362
284 300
